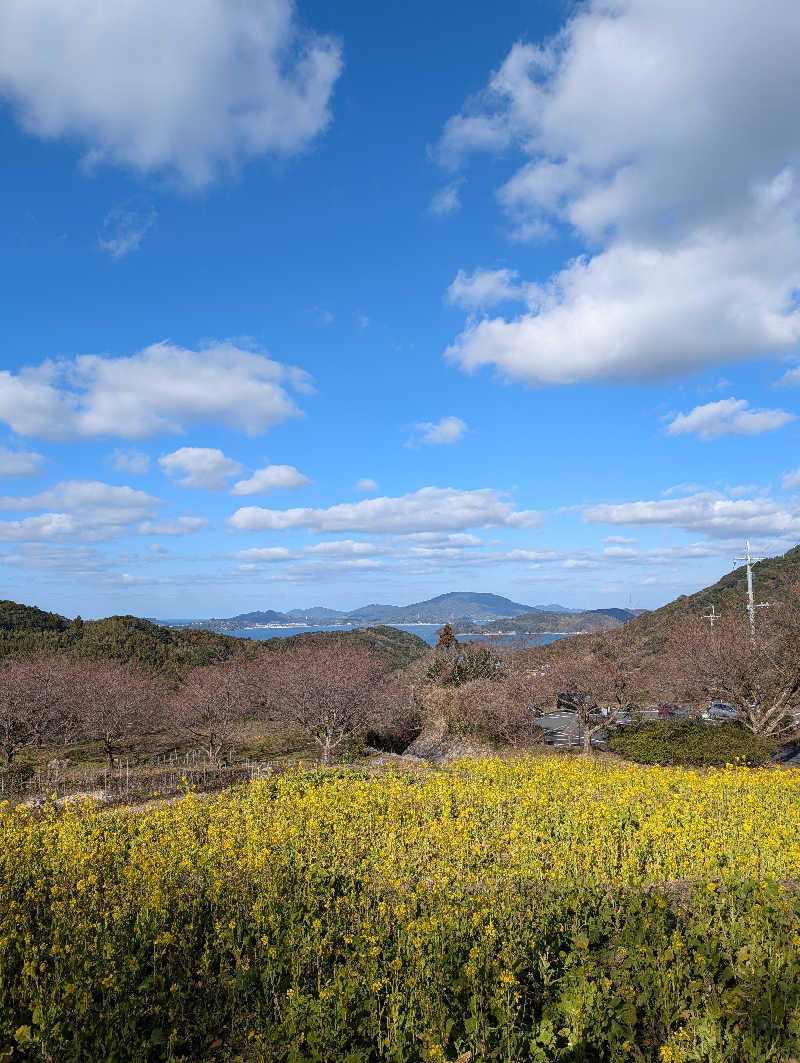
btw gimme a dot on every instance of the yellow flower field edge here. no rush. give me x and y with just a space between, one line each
539 909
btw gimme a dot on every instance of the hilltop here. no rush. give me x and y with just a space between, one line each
469 607
773 579
25 630
650 631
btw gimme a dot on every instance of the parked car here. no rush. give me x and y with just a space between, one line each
721 710
684 712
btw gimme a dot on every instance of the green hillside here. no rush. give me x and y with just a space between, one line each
25 630
543 623
396 647
772 581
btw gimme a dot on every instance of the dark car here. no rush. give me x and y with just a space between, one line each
683 712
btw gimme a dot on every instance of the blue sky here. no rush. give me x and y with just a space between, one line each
328 304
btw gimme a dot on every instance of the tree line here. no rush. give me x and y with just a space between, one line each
336 691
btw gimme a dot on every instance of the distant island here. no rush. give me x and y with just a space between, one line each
473 614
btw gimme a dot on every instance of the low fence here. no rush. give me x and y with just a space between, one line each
161 776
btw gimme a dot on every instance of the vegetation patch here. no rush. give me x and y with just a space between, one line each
690 743
529 910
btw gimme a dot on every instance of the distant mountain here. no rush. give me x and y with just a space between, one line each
457 606
243 620
317 614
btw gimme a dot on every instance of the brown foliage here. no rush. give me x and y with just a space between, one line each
497 711
39 700
334 693
212 701
758 674
119 702
591 673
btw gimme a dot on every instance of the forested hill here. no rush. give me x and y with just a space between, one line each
25 630
773 580
650 632
543 623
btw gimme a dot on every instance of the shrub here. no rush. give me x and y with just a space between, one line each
692 744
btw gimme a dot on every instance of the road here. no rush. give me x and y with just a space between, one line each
564 729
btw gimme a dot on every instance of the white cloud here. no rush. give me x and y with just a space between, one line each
791 480
448 430
342 548
644 313
124 228
429 509
727 417
484 288
176 526
161 389
205 467
366 485
709 513
131 461
20 463
78 508
446 201
264 553
285 477
791 377
185 87
688 200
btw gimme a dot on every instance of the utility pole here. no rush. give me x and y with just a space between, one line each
711 617
751 602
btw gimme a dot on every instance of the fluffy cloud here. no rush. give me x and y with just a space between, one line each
728 417
709 513
791 480
448 430
124 228
688 200
200 467
186 87
366 485
286 477
20 463
484 288
429 509
639 312
78 508
161 389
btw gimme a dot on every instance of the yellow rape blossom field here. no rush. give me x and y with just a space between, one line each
534 909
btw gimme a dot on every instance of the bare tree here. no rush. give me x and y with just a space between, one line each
118 703
759 675
212 702
334 693
502 712
598 679
38 701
